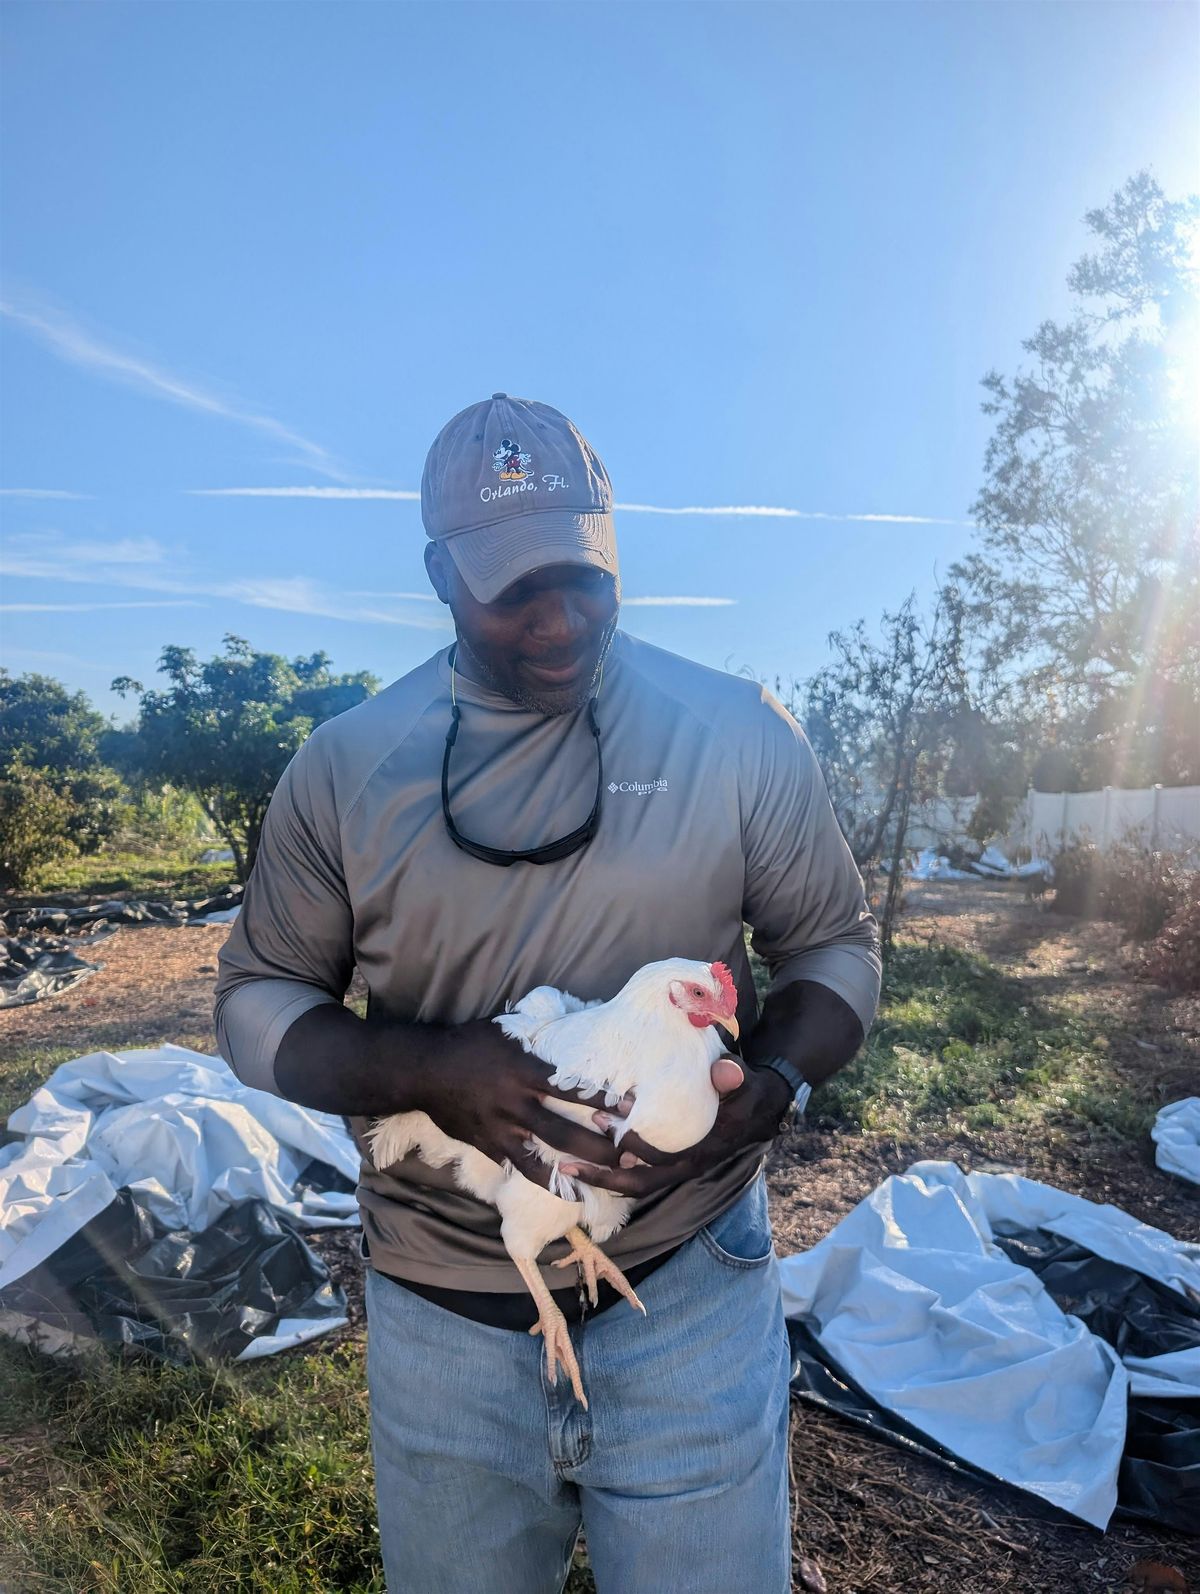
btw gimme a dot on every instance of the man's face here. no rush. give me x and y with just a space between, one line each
543 640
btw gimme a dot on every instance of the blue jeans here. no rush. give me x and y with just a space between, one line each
678 1471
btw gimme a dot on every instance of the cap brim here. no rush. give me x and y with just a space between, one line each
491 558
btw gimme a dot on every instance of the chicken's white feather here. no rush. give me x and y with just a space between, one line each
640 1043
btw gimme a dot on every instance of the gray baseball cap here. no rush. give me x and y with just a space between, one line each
509 486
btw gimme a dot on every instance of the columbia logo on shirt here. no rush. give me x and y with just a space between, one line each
643 788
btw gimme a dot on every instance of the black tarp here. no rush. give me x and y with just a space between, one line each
1159 1479
36 966
38 946
173 1295
68 921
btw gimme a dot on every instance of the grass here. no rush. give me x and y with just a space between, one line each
257 1476
960 1045
166 875
249 1477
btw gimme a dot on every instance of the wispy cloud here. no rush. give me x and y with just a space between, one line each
766 511
769 511
404 495
125 551
676 603
143 565
89 608
300 595
39 492
71 342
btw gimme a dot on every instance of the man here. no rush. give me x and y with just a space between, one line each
551 802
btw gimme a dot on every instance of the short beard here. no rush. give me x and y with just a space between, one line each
548 707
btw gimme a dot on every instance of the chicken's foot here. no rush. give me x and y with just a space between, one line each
552 1325
593 1263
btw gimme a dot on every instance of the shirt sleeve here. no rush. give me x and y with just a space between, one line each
292 945
804 897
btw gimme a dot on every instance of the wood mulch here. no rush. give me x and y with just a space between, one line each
868 1518
156 985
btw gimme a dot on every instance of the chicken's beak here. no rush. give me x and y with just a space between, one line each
730 1025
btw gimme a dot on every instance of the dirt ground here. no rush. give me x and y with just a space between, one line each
874 1519
868 1518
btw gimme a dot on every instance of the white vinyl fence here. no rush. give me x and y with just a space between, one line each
1160 816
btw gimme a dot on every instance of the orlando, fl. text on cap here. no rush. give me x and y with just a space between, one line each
510 486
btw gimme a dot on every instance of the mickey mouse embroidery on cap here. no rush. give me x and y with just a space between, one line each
511 463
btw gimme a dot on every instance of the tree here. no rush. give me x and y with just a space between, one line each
883 719
35 823
1086 590
225 730
56 783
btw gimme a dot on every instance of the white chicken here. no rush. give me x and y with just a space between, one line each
653 1041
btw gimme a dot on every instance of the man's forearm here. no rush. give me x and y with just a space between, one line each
337 1062
808 1024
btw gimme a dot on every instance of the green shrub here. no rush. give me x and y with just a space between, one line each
35 825
160 819
45 728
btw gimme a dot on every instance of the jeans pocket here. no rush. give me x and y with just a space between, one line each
740 1237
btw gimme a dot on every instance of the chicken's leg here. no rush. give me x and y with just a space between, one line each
552 1325
593 1261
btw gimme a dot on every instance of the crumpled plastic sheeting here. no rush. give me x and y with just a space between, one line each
931 866
39 966
910 1295
1019 1203
246 1287
992 861
38 956
175 1126
1156 1333
1176 1133
217 909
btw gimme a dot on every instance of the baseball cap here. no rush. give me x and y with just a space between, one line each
510 486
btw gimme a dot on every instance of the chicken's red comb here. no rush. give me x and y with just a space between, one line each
725 981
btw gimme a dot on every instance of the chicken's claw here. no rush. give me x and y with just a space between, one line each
552 1325
588 1256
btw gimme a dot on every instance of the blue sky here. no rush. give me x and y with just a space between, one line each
760 253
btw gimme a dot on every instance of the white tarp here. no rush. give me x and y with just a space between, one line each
929 866
1176 1133
911 1297
222 916
175 1125
992 861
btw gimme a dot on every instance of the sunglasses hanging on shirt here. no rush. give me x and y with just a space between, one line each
553 850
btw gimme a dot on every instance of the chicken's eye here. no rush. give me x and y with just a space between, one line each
697 992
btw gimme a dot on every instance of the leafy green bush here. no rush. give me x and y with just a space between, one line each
55 733
35 825
161 819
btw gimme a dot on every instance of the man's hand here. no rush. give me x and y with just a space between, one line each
752 1103
489 1092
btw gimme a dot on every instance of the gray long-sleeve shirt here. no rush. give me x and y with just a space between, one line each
714 813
